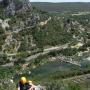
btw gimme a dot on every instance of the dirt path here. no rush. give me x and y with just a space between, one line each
78 79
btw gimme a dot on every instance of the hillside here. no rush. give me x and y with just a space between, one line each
47 48
62 7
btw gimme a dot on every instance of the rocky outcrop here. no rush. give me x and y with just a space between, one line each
4 23
13 6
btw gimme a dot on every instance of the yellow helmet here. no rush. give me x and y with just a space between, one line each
23 80
30 82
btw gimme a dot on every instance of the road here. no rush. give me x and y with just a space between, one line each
46 51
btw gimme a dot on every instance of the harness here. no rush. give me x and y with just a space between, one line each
27 86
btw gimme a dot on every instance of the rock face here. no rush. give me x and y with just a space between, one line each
13 6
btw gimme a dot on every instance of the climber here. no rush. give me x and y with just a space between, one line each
24 84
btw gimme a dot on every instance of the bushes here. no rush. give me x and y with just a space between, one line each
74 86
58 85
64 74
53 33
65 52
6 74
68 51
54 85
3 59
2 37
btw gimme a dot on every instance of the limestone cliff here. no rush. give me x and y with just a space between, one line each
12 6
